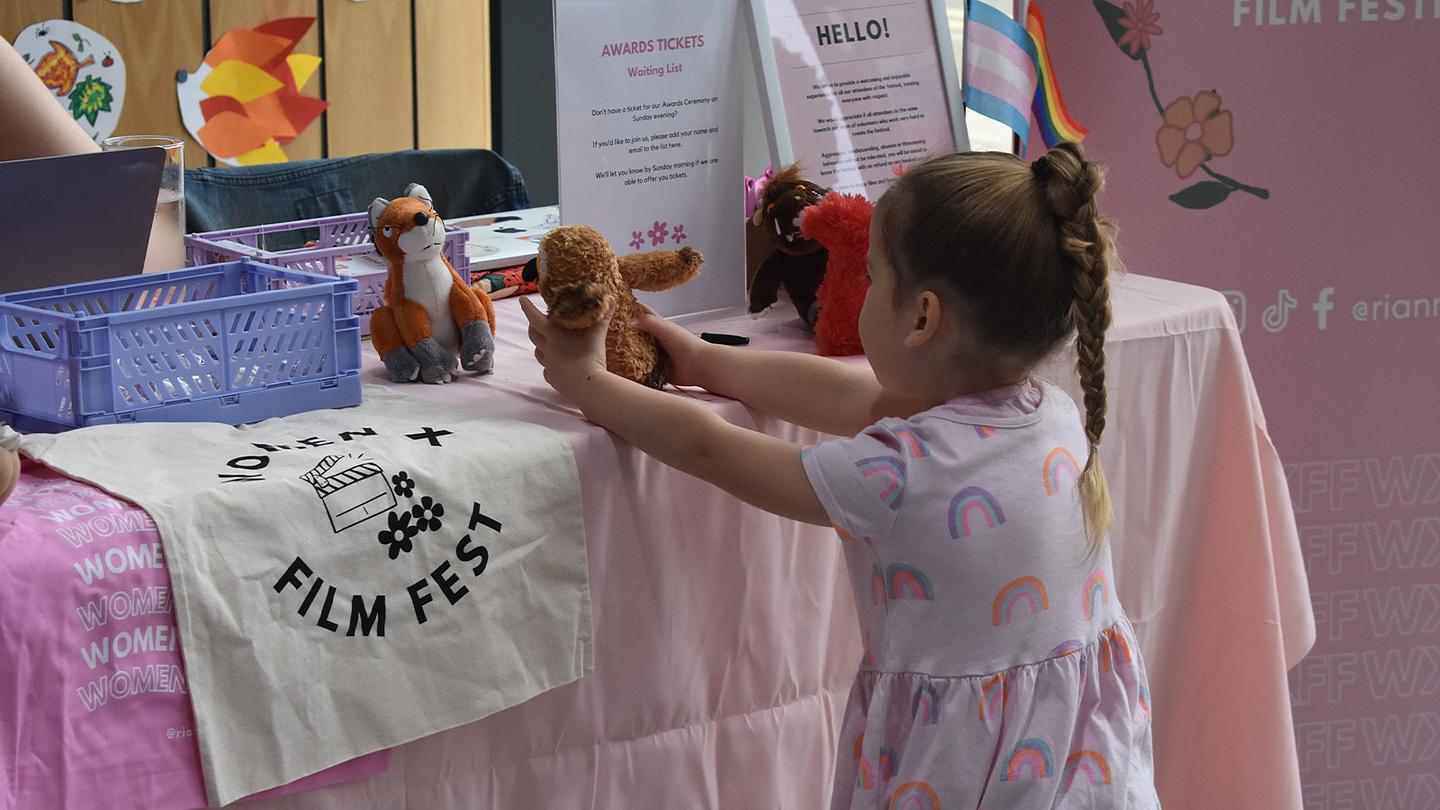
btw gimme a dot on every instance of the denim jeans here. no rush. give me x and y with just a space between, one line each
462 182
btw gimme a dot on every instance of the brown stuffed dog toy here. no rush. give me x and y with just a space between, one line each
798 262
430 315
579 275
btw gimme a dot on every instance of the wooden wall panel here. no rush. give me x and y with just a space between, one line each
367 76
17 15
452 69
227 15
157 38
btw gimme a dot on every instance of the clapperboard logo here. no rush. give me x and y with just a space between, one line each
352 488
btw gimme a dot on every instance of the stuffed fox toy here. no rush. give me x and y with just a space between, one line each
579 275
430 316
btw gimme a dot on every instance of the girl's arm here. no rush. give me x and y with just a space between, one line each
32 124
816 392
758 469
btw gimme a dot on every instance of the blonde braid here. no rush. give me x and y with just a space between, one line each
1071 183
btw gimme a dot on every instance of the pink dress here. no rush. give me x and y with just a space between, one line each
999 669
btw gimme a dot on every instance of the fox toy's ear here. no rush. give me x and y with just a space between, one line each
418 192
377 207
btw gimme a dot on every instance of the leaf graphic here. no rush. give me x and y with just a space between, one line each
1111 15
1201 195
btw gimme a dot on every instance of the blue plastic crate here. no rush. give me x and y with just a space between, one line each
234 342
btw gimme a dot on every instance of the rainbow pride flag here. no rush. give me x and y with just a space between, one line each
1009 76
1052 117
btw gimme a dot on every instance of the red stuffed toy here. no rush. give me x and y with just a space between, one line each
841 224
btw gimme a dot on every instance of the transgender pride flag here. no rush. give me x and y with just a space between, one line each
1009 75
1000 60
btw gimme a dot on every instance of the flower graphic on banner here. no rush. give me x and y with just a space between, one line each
679 235
1140 24
427 514
397 537
1193 130
404 484
658 233
637 239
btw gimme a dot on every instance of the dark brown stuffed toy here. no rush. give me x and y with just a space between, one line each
797 263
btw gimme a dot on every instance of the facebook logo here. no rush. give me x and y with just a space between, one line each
1322 307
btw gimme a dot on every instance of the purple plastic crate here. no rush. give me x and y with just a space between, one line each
235 342
340 237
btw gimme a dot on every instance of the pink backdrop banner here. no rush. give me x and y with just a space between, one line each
1282 151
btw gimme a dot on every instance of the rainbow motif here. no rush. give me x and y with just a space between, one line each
985 431
1097 593
926 704
859 744
1025 589
864 775
1114 650
1058 466
1088 762
914 796
994 697
889 762
1052 117
970 506
908 582
888 470
1065 648
1031 756
843 535
914 444
1143 706
877 585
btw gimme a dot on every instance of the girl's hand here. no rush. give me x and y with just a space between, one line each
570 357
685 349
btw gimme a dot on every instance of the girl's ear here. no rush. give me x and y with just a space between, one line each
925 312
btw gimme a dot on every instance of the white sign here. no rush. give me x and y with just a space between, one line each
857 90
648 96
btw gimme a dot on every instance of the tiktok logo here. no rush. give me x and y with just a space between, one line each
1277 315
1236 300
1322 307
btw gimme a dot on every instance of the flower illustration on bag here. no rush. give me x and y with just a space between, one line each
679 235
427 514
397 538
404 484
658 233
1193 129
1140 24
637 239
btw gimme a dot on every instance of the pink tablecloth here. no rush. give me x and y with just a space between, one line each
725 638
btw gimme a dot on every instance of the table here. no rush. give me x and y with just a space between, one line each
725 637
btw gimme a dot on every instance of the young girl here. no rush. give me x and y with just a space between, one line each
999 669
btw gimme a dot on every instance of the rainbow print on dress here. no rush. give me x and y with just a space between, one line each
889 763
877 585
1060 468
915 445
890 472
969 508
1142 708
914 796
994 697
926 704
1029 591
985 431
1065 648
864 775
1114 650
1087 762
908 582
1097 593
1031 759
